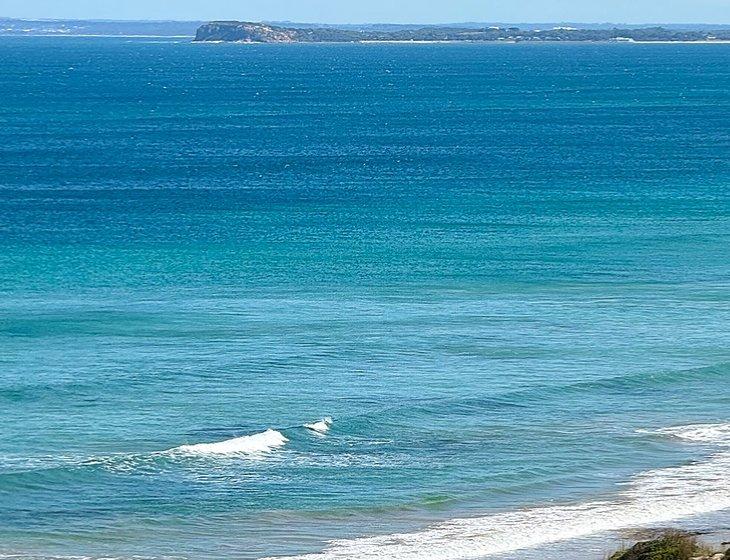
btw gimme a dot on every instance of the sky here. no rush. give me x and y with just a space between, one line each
395 11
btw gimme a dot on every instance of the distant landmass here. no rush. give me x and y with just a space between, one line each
24 27
521 25
250 32
267 32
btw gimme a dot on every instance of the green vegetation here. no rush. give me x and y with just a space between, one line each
247 32
673 545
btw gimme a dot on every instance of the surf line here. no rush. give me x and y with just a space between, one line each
654 496
259 443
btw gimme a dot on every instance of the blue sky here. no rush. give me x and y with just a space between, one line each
355 11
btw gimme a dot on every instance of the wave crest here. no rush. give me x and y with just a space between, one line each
254 444
718 434
321 427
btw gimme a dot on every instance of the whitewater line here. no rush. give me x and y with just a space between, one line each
263 442
655 496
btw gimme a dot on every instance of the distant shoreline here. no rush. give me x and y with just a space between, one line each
718 42
454 42
96 36
363 42
257 32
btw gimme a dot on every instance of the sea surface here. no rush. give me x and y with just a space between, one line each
494 280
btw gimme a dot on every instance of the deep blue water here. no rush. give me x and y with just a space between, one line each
502 270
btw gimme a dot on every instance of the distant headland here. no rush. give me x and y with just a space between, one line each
290 32
251 32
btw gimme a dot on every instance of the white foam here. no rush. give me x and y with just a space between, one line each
253 444
656 496
321 427
718 434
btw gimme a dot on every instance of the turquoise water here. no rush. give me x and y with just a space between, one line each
502 270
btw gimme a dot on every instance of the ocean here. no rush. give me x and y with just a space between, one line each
438 302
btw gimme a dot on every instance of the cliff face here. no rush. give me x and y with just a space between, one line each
245 32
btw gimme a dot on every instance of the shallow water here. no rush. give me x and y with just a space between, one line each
502 270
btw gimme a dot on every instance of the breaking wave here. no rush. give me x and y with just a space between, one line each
253 444
321 427
655 496
717 434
